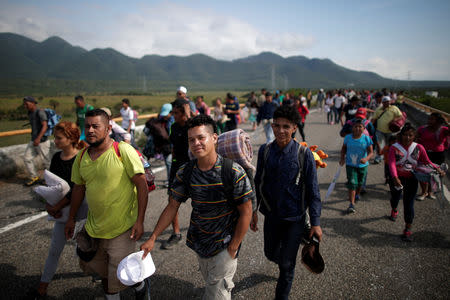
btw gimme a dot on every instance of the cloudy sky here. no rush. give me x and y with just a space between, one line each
390 37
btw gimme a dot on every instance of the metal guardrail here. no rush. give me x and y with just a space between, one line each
426 108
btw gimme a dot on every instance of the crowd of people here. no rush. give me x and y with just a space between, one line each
110 177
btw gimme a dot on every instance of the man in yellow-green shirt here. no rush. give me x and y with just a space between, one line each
383 116
116 192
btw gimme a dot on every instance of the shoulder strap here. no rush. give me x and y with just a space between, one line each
82 153
227 179
116 148
301 161
187 174
261 192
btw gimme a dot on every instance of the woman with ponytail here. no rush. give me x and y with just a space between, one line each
67 139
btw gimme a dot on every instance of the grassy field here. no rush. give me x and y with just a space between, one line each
144 104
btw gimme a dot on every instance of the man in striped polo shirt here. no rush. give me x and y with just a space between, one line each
218 224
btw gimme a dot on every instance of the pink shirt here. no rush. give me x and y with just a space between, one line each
396 155
433 141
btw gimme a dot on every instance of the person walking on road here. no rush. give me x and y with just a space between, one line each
404 156
355 154
283 196
381 119
180 155
320 99
219 220
265 115
232 111
39 144
111 177
303 112
81 109
67 139
128 121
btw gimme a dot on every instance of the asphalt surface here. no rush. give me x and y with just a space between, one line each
364 255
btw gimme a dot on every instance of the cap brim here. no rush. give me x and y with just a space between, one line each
314 263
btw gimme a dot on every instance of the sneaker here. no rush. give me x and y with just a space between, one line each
351 209
357 198
33 180
394 215
406 236
173 240
421 197
144 293
431 196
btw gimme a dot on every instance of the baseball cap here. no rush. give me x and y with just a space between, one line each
107 111
321 90
361 113
386 99
29 99
165 109
182 89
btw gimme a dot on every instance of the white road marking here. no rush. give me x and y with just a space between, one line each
23 222
44 213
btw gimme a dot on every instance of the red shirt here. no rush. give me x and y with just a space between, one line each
303 111
433 141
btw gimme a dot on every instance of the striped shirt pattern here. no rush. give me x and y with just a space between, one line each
213 218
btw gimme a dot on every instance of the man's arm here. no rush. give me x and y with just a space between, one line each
78 193
142 195
245 216
164 220
37 140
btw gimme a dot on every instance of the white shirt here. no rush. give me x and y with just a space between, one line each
339 101
127 118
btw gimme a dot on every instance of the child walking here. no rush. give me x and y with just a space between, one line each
253 114
355 153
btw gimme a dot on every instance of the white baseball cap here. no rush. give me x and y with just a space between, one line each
182 89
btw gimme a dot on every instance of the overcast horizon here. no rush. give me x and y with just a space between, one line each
398 39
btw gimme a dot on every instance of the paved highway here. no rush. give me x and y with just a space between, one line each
365 258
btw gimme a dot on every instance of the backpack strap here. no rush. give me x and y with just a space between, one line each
187 174
265 156
227 180
116 148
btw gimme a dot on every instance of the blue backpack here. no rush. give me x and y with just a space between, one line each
52 120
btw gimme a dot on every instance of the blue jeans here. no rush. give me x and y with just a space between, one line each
268 131
281 243
168 162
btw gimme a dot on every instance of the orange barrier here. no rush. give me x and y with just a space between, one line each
25 131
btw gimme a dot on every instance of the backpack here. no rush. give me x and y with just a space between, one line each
407 162
135 115
149 176
52 120
158 136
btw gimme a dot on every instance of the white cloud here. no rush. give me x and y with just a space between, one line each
164 29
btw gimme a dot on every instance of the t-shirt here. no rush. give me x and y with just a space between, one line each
110 193
350 111
392 112
339 101
356 150
232 106
36 117
81 116
213 218
127 118
63 169
179 139
433 141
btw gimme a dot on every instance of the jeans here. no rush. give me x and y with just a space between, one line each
268 130
330 115
410 185
168 162
281 243
301 127
56 247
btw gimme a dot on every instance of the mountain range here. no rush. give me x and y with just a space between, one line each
56 64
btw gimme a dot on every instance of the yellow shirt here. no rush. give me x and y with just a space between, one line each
110 193
392 112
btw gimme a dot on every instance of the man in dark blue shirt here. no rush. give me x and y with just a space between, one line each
265 114
231 109
284 197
